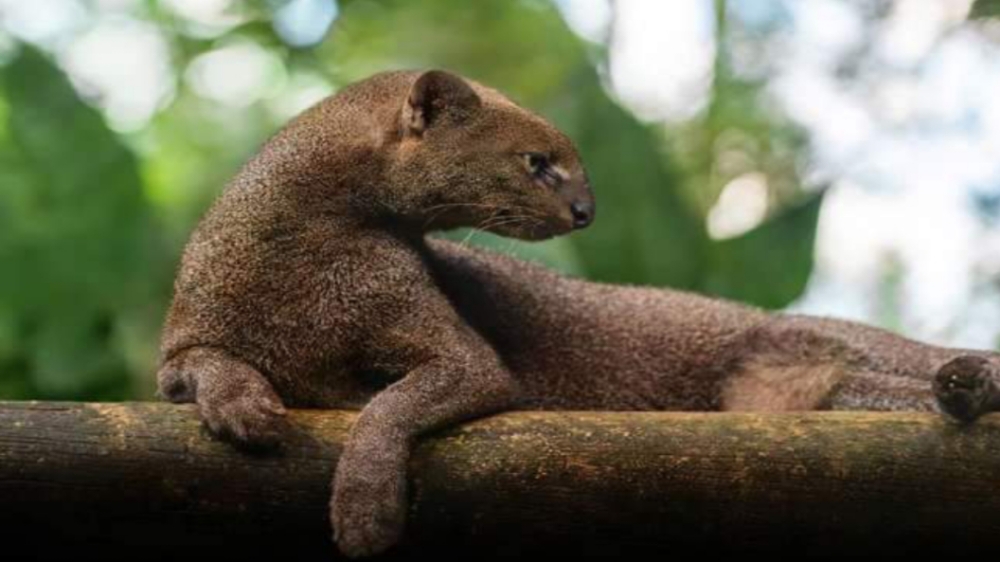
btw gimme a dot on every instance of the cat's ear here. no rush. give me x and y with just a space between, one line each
436 98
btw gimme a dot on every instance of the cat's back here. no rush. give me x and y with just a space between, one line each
580 344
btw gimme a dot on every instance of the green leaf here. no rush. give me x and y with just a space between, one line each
985 9
770 265
643 233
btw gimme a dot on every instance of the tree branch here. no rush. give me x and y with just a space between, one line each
89 480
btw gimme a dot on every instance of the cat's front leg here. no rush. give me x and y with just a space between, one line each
368 509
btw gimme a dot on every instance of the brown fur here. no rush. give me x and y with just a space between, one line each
310 284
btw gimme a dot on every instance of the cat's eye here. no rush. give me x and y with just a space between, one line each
537 162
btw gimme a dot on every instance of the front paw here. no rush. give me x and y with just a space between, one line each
368 510
254 421
966 387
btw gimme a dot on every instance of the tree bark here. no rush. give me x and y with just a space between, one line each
143 480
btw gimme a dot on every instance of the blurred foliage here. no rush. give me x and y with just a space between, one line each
75 241
92 221
737 133
985 9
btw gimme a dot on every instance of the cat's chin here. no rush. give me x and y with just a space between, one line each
532 232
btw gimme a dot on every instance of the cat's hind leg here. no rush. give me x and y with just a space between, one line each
823 386
801 363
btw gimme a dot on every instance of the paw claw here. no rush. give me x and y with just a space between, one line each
250 422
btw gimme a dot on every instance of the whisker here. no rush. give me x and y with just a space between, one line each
438 210
495 220
508 220
468 237
511 245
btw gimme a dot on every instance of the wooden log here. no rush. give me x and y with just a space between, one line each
143 480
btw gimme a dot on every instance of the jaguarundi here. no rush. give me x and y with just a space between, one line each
311 283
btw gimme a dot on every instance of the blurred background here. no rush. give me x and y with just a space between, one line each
833 157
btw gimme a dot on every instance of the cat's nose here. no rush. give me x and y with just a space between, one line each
583 213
